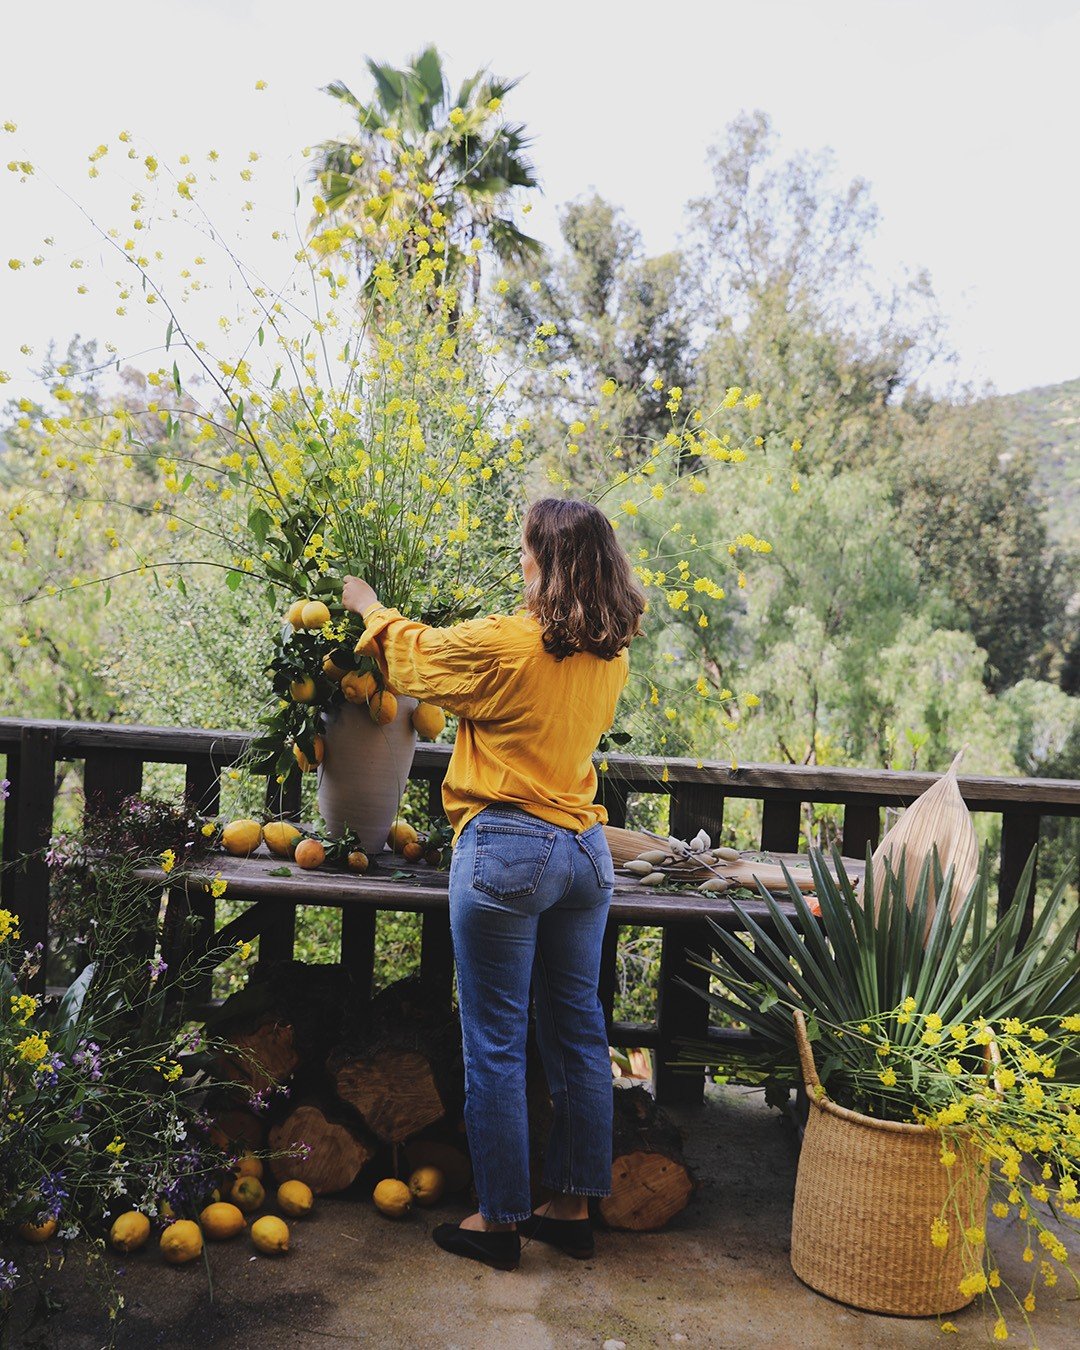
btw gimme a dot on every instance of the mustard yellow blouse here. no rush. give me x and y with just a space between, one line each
528 723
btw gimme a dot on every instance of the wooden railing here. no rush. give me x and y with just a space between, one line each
114 757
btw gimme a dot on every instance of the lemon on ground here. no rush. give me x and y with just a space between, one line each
180 1242
302 690
401 833
426 1185
295 1198
295 613
129 1231
241 837
314 614
428 720
249 1166
247 1193
309 853
358 860
270 1234
281 838
358 687
222 1220
37 1232
383 707
392 1198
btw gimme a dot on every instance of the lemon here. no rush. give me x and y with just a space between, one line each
295 1198
392 1198
308 765
358 860
241 837
303 690
333 671
247 1193
38 1232
249 1166
382 707
181 1242
426 1185
309 853
295 613
314 614
222 1220
428 720
357 687
129 1231
281 838
401 833
270 1234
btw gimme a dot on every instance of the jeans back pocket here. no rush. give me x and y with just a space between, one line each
595 845
510 859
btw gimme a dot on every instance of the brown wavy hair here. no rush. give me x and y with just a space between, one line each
585 595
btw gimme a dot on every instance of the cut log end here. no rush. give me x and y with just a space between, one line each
335 1151
394 1091
647 1190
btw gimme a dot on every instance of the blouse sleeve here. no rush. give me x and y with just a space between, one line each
458 668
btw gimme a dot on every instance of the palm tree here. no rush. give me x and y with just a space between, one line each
473 161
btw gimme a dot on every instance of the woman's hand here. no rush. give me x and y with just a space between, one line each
357 595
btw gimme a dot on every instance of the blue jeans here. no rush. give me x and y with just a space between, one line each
528 908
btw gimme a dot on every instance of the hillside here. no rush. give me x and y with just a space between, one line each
1046 423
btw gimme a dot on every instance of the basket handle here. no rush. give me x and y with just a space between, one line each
806 1057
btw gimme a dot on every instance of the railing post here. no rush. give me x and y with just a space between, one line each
862 826
780 825
613 796
683 1014
1019 836
108 777
28 817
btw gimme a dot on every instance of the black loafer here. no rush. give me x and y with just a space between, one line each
572 1236
501 1251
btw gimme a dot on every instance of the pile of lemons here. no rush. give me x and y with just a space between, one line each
182 1240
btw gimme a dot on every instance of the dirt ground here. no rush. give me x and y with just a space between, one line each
717 1277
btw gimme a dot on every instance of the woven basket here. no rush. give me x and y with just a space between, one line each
866 1194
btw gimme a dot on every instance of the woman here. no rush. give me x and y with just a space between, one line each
531 876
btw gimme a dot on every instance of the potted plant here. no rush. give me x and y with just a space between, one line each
941 1056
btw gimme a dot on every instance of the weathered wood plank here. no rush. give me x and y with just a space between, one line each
809 782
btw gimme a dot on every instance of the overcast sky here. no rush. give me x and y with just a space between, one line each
963 114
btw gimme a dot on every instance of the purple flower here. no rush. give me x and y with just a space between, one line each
5 793
88 1057
9 1271
157 967
48 1071
53 1193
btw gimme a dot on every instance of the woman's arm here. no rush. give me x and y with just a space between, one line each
457 667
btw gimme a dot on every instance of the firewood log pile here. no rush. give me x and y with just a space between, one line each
377 1088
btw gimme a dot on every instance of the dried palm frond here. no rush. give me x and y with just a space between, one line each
938 820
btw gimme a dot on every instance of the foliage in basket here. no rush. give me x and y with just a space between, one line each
974 1032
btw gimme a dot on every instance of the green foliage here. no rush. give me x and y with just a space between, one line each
859 962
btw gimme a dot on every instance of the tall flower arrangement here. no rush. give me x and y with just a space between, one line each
347 420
